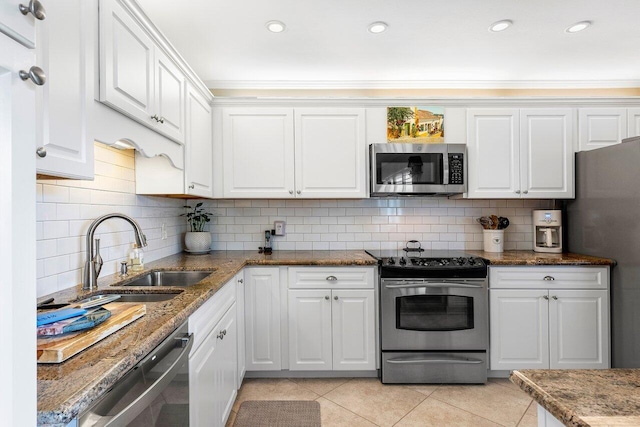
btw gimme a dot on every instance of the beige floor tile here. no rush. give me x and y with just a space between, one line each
530 418
494 402
504 382
435 413
231 419
381 404
320 386
336 416
272 389
424 389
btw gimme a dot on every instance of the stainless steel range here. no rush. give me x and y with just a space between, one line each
434 317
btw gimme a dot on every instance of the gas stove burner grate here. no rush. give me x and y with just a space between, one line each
445 262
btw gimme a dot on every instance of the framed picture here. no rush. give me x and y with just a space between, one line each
418 125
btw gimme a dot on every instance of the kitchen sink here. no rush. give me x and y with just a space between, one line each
169 278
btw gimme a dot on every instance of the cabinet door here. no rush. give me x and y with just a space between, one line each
199 146
579 329
126 64
330 150
226 363
600 127
19 27
262 310
310 330
202 383
493 148
519 329
546 153
258 152
240 315
353 315
633 121
64 103
169 97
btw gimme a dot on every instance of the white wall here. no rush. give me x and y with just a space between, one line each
438 223
66 208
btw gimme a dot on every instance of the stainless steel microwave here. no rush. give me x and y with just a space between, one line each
418 169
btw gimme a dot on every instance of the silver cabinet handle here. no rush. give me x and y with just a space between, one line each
240 280
298 192
546 297
549 278
35 8
331 279
41 152
554 297
525 192
36 75
161 120
192 186
326 297
290 191
517 191
335 297
221 334
155 117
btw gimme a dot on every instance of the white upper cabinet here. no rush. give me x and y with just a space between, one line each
258 147
258 155
517 153
22 26
136 77
64 104
600 127
633 122
330 152
198 173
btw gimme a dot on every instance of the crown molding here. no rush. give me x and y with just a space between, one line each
422 84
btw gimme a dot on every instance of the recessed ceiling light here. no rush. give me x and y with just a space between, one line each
496 27
275 26
378 27
578 27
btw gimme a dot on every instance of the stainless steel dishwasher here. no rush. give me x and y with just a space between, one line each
154 393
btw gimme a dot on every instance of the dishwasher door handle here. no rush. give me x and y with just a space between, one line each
434 361
129 413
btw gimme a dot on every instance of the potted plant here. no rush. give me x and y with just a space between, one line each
196 239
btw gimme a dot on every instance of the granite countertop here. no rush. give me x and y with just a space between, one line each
540 258
585 397
68 388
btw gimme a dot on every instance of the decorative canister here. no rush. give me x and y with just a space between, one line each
493 240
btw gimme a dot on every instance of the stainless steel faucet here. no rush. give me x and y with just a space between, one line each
93 264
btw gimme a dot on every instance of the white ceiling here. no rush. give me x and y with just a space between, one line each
428 43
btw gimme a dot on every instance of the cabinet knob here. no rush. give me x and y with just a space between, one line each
335 297
517 191
331 279
192 186
41 152
36 75
298 192
35 8
546 297
525 192
161 120
155 117
240 280
220 335
290 191
549 278
326 297
554 297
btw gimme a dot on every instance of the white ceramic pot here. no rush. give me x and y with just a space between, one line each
197 241
493 240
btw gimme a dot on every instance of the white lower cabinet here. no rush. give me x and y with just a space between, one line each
240 315
213 365
549 326
331 329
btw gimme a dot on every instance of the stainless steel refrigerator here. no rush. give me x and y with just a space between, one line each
604 220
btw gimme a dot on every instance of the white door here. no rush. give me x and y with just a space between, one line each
546 153
226 372
18 26
262 311
600 127
310 330
240 299
633 122
126 64
353 314
64 104
330 150
579 329
258 152
519 329
493 149
169 97
202 383
198 146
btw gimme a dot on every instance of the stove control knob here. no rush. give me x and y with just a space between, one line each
391 261
403 261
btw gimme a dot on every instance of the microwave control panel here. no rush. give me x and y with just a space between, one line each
456 168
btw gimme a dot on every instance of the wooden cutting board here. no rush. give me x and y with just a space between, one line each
59 348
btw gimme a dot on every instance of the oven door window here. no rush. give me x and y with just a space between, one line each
434 312
409 169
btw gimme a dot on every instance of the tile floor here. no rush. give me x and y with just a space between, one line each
360 402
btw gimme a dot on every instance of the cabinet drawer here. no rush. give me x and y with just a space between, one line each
331 277
555 277
209 314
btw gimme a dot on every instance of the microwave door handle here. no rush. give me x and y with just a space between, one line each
129 413
445 168
433 285
434 361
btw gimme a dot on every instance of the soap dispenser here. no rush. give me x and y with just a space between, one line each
136 258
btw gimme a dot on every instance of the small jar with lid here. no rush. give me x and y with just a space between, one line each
136 258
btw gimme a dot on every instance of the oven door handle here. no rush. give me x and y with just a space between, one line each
434 361
129 413
433 285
